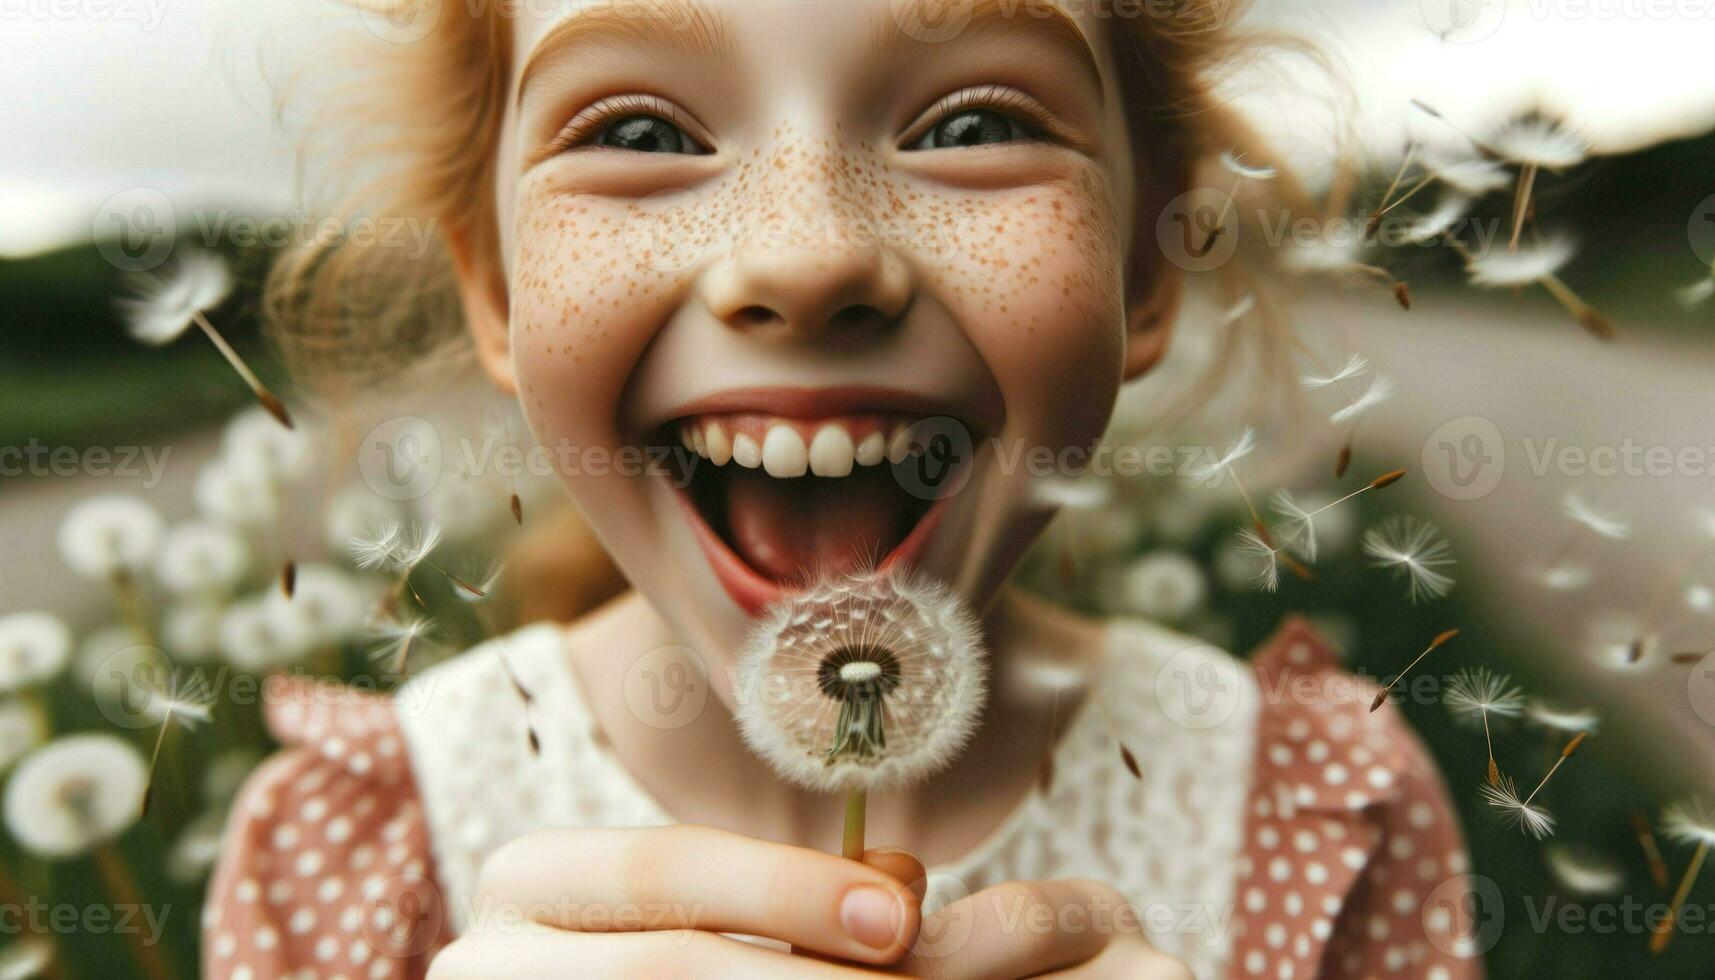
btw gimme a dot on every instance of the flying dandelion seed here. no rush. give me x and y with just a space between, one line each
164 307
1209 473
390 545
1602 525
398 640
861 682
1474 695
1690 822
1531 819
1588 874
1355 365
187 703
1440 640
1267 576
1238 168
1527 266
1415 549
1438 222
1557 720
1380 390
1473 176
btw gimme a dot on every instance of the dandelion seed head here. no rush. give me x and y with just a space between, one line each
110 535
1162 585
74 793
794 700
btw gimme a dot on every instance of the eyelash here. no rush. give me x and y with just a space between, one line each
1037 122
589 123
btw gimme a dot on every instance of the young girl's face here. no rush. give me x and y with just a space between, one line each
781 231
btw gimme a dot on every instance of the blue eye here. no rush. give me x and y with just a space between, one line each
647 134
972 127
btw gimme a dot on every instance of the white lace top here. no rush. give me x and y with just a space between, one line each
1262 833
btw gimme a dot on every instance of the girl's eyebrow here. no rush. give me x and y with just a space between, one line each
684 27
914 25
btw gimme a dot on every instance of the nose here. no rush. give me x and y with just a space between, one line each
824 279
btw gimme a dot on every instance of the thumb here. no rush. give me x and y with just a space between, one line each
902 865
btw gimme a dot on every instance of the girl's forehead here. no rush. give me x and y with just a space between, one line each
749 30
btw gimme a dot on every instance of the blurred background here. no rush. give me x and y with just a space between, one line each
149 511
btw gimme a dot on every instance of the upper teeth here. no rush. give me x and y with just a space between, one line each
782 452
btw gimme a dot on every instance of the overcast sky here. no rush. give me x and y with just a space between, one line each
103 96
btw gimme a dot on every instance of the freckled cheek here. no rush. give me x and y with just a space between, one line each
582 309
1045 309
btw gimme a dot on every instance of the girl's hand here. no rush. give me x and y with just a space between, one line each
653 902
1082 929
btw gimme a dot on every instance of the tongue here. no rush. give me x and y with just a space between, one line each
785 528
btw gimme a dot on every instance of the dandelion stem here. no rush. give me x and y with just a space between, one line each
269 400
123 888
852 846
1521 202
1565 754
1664 931
1399 175
1652 853
155 757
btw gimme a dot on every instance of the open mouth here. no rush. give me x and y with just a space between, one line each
775 501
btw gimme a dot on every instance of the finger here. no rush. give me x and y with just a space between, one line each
686 877
902 865
1126 958
533 950
1021 929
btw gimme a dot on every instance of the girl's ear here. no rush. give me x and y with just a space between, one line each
482 291
1150 313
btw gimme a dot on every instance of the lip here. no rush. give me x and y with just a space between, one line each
752 592
809 403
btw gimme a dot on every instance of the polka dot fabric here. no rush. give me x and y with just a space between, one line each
325 871
1346 860
1353 864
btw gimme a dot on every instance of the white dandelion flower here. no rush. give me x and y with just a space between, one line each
195 850
191 630
1603 525
110 535
863 682
1163 585
1355 365
1697 293
250 640
236 496
1267 573
256 444
392 546
1236 166
21 730
1537 141
1476 693
1500 267
1380 390
1518 812
34 647
1210 472
26 957
75 793
1690 821
116 668
1555 719
1585 873
198 558
1415 549
164 307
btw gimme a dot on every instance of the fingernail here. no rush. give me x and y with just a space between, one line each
867 913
